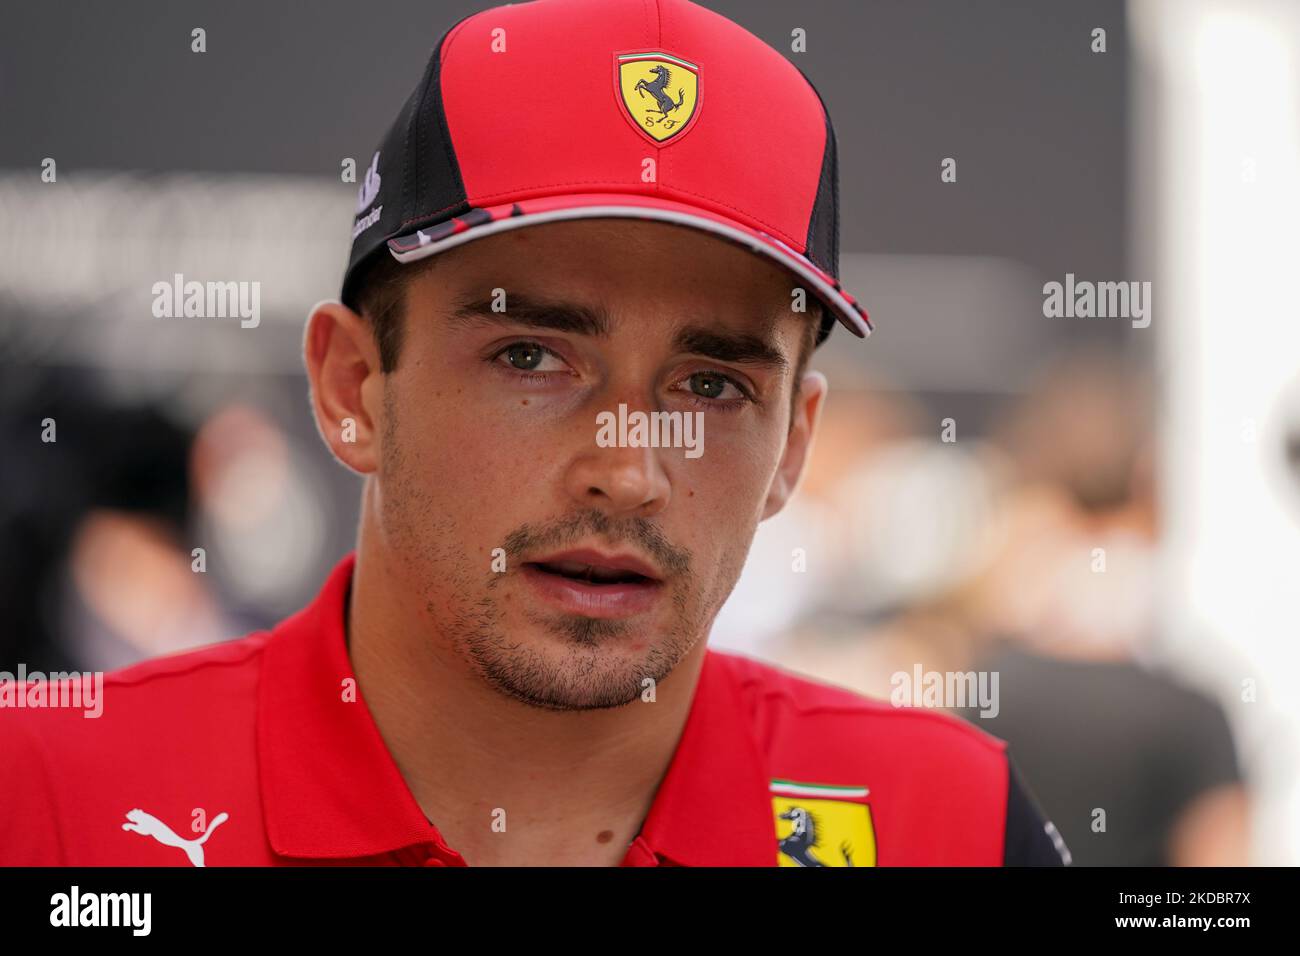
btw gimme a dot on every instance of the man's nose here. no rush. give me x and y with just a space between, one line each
623 481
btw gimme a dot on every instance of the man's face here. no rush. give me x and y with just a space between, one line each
612 561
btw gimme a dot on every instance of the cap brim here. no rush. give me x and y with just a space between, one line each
486 221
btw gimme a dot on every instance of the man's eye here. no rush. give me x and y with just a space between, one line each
526 356
711 385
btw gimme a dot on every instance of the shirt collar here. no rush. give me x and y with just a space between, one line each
713 807
331 789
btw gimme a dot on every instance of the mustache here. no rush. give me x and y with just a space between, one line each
642 533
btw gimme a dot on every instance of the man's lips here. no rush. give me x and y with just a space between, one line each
594 584
597 566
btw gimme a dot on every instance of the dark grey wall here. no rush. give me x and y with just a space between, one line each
1009 88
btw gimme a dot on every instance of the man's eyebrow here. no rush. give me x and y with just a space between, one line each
725 346
532 312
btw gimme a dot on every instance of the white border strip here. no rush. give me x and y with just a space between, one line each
829 793
631 57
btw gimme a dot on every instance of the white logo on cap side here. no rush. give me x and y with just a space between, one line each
369 186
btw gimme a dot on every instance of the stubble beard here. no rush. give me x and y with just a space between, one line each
588 666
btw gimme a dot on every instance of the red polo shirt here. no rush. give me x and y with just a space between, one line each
246 753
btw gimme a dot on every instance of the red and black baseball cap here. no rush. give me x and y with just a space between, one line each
588 109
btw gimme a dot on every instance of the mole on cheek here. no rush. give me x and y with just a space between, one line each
604 836
523 401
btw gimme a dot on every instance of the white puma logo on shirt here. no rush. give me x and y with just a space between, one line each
141 822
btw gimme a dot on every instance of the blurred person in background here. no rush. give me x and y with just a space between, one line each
1032 556
908 517
813 534
95 570
1135 768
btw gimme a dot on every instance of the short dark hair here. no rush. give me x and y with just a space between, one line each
381 298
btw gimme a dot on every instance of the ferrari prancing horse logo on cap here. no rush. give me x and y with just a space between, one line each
661 92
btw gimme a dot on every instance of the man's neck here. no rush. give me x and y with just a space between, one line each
505 783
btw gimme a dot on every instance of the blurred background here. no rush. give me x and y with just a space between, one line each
1105 515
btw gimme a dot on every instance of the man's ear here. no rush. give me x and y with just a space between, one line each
798 445
346 383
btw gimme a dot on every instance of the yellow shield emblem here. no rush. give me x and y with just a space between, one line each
660 92
822 825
